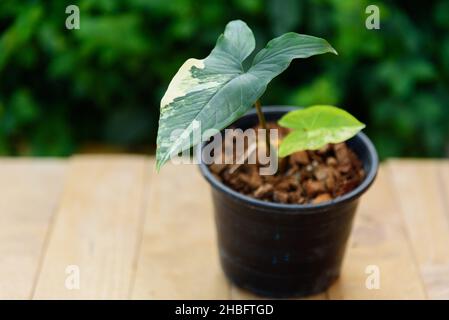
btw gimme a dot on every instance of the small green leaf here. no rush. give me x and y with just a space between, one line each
316 126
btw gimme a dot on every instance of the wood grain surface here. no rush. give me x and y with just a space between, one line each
122 231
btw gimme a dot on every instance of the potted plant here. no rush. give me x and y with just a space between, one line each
283 233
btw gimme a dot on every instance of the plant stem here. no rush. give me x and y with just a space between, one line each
263 124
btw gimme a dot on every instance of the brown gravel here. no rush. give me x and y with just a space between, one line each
303 177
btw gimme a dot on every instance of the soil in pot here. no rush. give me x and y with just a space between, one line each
303 177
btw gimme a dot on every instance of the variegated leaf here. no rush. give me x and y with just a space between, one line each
214 92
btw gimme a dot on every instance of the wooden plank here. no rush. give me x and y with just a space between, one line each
30 190
97 229
420 191
178 257
379 239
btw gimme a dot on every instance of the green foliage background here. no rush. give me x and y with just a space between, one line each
62 89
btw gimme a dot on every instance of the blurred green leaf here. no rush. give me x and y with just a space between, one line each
284 15
104 82
19 33
323 90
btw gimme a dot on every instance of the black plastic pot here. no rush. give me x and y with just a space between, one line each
285 250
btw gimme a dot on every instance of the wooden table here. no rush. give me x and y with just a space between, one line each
125 232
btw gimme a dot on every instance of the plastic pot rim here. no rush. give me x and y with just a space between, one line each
296 208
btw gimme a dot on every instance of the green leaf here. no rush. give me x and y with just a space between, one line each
214 92
316 126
